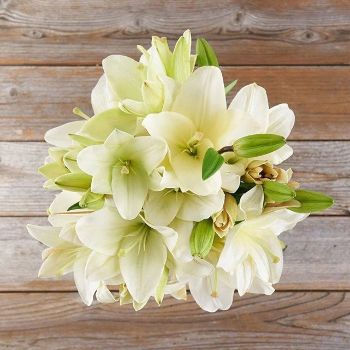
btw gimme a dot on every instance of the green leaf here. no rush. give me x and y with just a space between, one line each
212 162
312 201
258 145
277 191
74 206
230 86
205 54
74 182
202 238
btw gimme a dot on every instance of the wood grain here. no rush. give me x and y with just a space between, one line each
322 166
294 321
311 261
34 99
72 32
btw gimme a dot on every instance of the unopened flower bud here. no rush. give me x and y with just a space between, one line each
225 219
259 171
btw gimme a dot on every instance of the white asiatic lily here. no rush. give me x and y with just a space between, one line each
198 120
161 207
122 166
140 247
253 253
147 86
65 255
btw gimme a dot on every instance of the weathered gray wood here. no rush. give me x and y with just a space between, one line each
242 32
34 99
312 259
322 166
292 321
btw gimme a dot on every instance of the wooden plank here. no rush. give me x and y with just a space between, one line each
34 99
292 321
322 166
311 261
264 33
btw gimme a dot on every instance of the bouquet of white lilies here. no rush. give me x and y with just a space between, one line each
165 188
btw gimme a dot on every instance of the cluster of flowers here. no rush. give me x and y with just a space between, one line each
165 188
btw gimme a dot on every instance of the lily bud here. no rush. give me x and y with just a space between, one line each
202 238
258 145
225 219
259 171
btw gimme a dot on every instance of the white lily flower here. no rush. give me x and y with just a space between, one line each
122 166
65 254
198 120
147 86
253 253
142 248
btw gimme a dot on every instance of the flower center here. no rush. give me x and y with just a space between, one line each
193 143
125 169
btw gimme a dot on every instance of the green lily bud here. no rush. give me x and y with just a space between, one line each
202 238
212 162
311 201
278 192
258 145
78 182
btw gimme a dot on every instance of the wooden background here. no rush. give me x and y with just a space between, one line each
299 50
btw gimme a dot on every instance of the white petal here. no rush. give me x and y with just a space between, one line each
281 120
278 156
150 151
234 251
103 295
142 268
102 267
198 208
129 190
251 203
57 262
99 96
202 97
103 229
85 288
211 293
244 276
230 179
252 100
161 207
174 128
59 136
182 249
45 234
94 158
125 76
276 222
